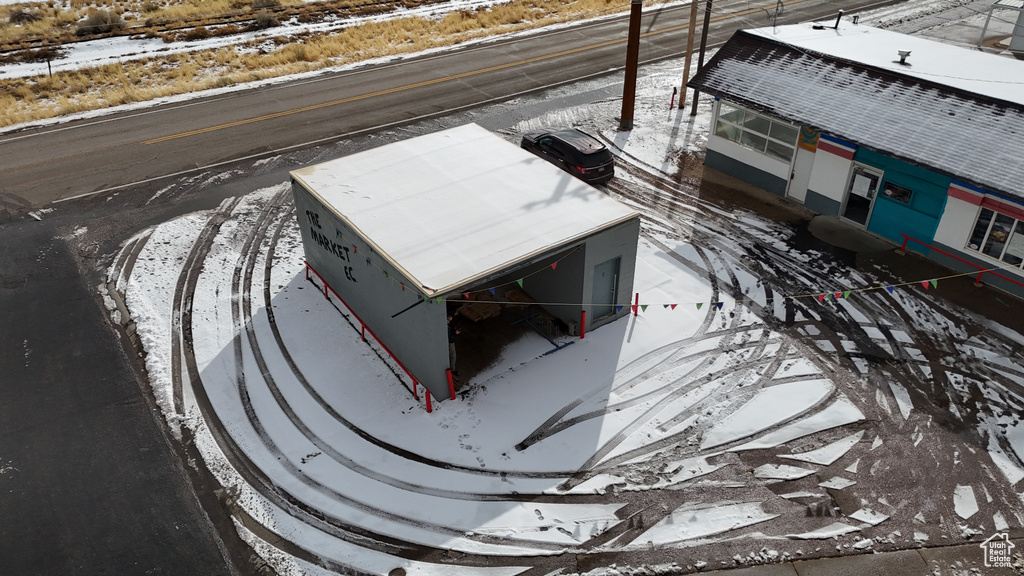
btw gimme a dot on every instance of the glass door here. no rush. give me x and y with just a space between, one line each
860 194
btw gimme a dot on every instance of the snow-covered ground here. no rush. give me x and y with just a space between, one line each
739 414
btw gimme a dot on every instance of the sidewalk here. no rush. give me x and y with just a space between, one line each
958 560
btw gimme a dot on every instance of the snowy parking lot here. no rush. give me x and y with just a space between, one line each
766 401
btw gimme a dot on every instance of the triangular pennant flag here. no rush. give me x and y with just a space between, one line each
821 298
618 308
465 295
837 295
889 288
633 308
367 261
419 297
354 249
935 283
846 295
492 291
673 306
719 304
643 307
699 304
440 299
925 284
520 282
553 264
403 287
385 273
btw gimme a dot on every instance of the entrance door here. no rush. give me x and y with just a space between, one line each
860 194
801 171
606 288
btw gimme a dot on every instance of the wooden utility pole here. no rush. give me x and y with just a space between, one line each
703 47
689 51
632 61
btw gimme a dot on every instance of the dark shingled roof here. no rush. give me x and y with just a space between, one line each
965 135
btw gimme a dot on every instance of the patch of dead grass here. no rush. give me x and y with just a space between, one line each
26 99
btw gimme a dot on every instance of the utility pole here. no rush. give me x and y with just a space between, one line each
703 46
689 51
632 61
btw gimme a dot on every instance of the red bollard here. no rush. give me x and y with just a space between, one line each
451 383
426 392
583 323
415 390
636 307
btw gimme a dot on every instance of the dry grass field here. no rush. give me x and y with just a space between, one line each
69 91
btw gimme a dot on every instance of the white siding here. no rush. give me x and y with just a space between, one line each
956 223
829 174
749 157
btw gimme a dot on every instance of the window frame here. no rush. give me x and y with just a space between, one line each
739 128
1016 228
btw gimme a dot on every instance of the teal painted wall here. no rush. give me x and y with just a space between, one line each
920 217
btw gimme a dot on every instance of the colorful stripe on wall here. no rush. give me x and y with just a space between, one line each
809 138
836 146
978 197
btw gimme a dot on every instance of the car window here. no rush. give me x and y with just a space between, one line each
596 158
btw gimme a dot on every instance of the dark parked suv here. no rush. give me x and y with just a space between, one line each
578 153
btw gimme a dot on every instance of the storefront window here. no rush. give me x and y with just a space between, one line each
998 236
756 131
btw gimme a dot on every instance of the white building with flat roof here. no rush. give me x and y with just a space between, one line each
404 232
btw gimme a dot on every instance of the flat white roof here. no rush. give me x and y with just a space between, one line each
985 74
453 206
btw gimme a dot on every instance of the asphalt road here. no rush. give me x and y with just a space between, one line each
100 155
89 483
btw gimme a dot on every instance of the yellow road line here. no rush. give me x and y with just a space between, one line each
438 80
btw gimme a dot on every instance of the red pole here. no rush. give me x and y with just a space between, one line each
364 331
426 392
415 391
583 323
636 307
977 281
326 295
903 248
451 383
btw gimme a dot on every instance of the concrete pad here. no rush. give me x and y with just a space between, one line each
960 559
902 563
839 232
785 569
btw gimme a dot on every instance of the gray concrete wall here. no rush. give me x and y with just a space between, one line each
821 204
618 241
564 284
745 172
417 337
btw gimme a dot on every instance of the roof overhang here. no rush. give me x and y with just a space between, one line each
814 77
